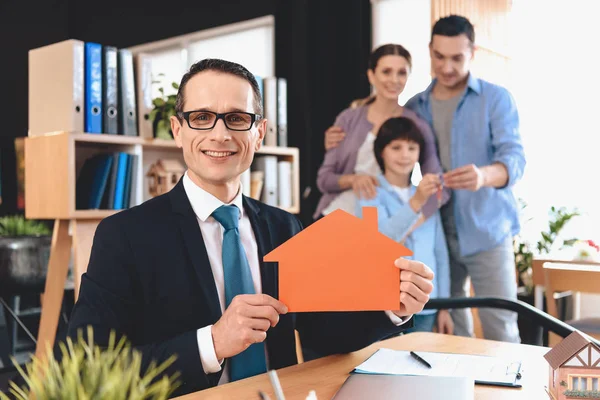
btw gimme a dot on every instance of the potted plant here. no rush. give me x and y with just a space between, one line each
87 371
548 243
24 254
524 253
164 109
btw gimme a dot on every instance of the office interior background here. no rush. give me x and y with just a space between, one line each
542 51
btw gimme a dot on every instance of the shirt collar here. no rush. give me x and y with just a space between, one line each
388 186
204 203
473 83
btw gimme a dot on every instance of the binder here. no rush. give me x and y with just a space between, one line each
259 81
284 184
56 72
268 166
270 99
143 76
128 180
110 90
92 181
282 112
127 112
93 88
120 181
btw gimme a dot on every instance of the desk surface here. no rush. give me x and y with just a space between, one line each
327 374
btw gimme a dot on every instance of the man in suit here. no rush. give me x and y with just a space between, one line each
183 273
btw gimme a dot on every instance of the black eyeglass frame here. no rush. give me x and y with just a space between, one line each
254 117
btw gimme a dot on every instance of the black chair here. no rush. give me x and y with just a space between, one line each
543 319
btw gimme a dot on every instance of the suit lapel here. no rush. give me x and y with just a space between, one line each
264 242
194 243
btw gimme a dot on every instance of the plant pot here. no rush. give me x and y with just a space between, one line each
162 128
23 264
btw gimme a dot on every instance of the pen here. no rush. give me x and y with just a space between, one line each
419 359
264 396
276 385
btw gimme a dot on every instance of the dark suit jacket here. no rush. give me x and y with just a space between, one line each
149 278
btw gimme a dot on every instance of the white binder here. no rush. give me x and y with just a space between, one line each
282 112
128 111
56 79
270 100
268 165
284 181
143 76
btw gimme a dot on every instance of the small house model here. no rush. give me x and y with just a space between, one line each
574 368
164 175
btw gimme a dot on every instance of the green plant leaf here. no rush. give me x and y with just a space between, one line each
153 114
18 225
175 85
90 371
158 102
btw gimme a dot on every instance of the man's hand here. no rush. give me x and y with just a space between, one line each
444 323
416 284
364 186
333 136
427 187
245 322
468 177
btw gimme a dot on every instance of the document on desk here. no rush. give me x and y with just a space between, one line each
485 370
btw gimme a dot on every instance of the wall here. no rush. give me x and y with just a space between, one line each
23 26
324 58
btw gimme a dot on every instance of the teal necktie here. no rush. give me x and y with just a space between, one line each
238 280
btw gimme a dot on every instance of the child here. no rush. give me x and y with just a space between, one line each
398 147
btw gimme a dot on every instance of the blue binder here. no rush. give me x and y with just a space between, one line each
93 88
121 181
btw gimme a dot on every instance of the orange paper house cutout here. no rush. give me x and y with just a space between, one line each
340 263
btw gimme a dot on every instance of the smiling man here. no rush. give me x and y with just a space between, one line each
182 274
476 125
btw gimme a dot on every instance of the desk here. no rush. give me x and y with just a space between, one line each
537 266
327 374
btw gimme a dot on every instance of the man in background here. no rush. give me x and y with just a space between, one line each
476 125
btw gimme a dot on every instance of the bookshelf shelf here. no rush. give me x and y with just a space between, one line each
53 162
93 214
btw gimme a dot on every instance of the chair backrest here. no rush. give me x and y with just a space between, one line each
562 277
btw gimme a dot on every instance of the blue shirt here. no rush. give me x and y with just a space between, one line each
485 130
427 241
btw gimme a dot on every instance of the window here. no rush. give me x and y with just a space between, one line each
408 23
250 43
558 124
595 384
575 382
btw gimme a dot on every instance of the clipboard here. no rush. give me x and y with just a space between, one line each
484 370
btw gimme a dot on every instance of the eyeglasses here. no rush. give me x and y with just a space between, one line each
206 120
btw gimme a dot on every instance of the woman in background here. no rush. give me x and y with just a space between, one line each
398 147
349 170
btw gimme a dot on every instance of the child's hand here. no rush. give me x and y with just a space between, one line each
444 323
427 187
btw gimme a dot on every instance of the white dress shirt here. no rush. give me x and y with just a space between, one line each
203 204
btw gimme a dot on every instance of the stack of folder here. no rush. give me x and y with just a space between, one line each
107 181
94 88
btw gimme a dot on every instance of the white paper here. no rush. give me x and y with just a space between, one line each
480 368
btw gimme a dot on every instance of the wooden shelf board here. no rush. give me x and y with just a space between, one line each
93 214
105 138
